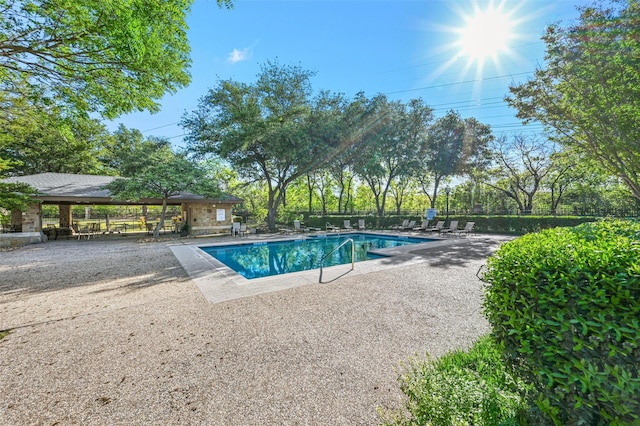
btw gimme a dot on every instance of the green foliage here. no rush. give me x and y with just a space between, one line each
13 196
111 56
588 94
565 303
462 388
126 152
271 131
391 145
164 174
454 146
40 138
521 165
519 225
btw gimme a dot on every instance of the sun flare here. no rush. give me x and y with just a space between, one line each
486 34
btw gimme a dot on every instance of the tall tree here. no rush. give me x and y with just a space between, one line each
454 147
565 171
341 170
588 95
400 189
127 151
268 131
44 138
166 174
108 56
520 166
391 147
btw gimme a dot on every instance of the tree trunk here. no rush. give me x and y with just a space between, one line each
310 188
160 225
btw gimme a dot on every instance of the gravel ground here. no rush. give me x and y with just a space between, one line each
113 331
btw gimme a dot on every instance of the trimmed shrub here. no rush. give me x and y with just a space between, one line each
565 303
461 388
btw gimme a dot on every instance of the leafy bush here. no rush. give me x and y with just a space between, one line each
565 303
462 388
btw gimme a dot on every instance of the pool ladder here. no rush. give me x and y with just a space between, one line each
353 256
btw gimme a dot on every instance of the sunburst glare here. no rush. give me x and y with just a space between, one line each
483 34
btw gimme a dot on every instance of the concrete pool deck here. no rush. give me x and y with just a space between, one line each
219 283
114 331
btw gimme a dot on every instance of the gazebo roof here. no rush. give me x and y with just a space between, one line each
88 189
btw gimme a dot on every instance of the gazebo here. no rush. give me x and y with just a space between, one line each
204 215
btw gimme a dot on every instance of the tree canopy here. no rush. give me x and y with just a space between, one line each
271 131
13 196
107 56
588 95
454 146
38 138
392 144
164 174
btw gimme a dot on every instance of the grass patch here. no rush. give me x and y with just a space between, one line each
4 333
461 388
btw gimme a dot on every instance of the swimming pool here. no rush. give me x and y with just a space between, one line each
263 259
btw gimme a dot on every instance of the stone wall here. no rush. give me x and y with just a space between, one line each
19 239
208 219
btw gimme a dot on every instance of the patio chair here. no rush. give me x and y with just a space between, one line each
235 229
85 231
410 226
436 228
297 227
405 223
361 224
453 226
347 225
468 228
331 227
423 226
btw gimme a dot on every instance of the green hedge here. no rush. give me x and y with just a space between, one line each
565 303
371 222
516 225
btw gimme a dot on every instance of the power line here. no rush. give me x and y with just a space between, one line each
457 83
160 127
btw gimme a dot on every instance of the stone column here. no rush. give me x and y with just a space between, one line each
32 219
65 215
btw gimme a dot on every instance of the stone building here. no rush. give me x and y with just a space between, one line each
205 216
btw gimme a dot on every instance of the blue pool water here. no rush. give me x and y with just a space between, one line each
264 259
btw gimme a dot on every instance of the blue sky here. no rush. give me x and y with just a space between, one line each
405 49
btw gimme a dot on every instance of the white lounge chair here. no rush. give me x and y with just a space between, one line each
347 225
361 224
468 228
405 223
331 227
410 226
423 226
297 227
453 226
436 228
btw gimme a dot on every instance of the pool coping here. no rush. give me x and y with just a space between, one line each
219 283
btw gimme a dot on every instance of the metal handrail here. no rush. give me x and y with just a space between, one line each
353 256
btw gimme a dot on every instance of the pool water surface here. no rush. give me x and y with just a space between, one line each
263 259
